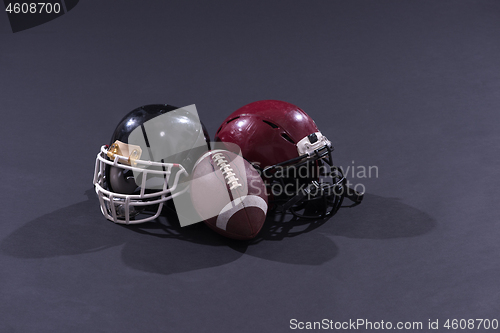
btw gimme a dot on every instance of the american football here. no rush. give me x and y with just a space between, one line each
229 194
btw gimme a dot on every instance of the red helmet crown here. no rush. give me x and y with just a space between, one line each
267 132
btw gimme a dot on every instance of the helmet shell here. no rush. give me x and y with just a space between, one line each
267 131
174 138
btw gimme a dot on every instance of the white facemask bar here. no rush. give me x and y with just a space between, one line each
112 200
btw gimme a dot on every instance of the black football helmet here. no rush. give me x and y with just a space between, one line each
150 155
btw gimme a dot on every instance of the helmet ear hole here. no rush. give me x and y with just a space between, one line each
122 180
287 138
230 120
270 124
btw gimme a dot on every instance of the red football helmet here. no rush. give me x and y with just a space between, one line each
294 158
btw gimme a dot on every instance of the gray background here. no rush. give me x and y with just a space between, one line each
412 87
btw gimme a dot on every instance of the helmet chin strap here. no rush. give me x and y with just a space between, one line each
317 190
301 196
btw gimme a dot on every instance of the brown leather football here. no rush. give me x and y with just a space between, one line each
229 194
